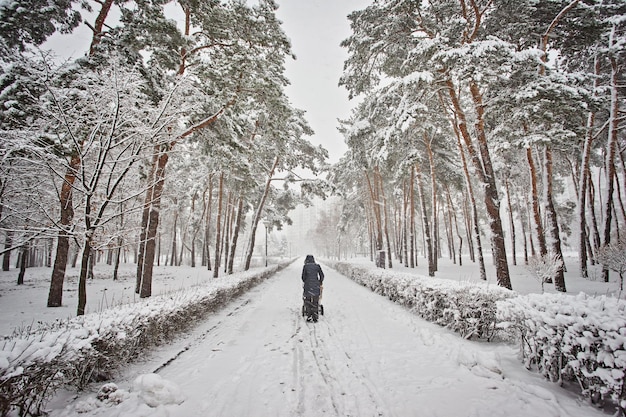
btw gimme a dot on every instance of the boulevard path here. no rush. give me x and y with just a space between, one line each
365 357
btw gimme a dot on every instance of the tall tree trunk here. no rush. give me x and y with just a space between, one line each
218 225
583 181
412 218
233 246
173 258
425 223
612 149
6 258
467 222
552 222
82 279
256 218
434 208
152 208
492 200
386 215
55 295
228 228
207 230
378 231
541 238
511 222
523 224
453 218
405 222
23 263
457 125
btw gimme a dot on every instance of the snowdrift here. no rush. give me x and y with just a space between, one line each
89 348
566 338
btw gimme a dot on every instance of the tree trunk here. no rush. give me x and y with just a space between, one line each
470 189
511 222
541 239
434 208
467 222
453 218
152 207
173 258
523 224
425 223
55 295
145 216
82 280
257 215
386 214
218 225
6 258
378 236
582 186
207 231
233 246
229 229
23 263
612 149
552 222
405 222
412 218
492 200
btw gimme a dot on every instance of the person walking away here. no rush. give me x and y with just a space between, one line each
312 279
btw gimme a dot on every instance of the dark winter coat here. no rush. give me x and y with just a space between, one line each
312 277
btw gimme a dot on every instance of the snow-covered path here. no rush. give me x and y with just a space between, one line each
365 357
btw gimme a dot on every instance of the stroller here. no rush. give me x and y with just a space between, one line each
312 307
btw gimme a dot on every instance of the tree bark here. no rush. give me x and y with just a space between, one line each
55 295
434 208
173 250
82 280
511 222
425 223
378 231
218 225
23 264
612 149
386 214
552 222
412 218
492 200
257 215
152 208
470 191
6 258
541 238
233 246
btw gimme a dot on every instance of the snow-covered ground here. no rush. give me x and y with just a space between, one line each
365 357
24 306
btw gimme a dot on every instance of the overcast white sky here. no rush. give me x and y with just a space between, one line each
316 27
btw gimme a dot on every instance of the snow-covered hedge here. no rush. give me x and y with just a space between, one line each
576 338
467 308
91 347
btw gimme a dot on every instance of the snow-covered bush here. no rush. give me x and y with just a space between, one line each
576 338
90 347
545 267
613 257
467 308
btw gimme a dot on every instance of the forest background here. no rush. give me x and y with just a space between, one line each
480 125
